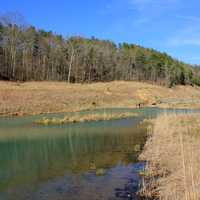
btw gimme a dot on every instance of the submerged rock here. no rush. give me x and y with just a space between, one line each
100 172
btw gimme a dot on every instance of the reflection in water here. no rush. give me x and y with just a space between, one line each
35 159
62 162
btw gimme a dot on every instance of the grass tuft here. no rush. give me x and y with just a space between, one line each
85 118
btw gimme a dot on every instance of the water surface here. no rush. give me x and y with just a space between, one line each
63 162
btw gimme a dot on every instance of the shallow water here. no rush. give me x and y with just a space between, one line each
62 162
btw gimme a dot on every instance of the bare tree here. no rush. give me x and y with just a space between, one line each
71 60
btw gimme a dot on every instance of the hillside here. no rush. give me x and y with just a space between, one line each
28 54
42 97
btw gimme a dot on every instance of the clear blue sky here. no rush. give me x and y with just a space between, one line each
172 26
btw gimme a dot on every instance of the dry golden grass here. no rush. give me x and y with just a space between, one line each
85 118
46 97
173 162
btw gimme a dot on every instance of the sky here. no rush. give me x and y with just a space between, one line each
171 26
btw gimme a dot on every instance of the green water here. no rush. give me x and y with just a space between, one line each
61 162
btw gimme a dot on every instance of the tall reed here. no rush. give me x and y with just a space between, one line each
172 153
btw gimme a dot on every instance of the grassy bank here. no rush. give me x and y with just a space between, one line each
172 154
32 98
85 118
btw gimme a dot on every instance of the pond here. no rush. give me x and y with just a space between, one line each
83 161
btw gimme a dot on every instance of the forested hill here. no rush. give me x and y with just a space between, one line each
28 54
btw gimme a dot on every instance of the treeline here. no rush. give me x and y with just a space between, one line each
29 54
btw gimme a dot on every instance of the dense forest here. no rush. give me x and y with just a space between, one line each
28 54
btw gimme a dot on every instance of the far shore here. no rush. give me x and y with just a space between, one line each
35 98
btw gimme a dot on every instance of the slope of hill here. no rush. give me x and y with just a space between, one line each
43 97
28 54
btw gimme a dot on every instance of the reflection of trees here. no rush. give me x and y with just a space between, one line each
47 157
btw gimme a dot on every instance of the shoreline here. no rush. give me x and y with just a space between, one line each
172 156
35 98
21 114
